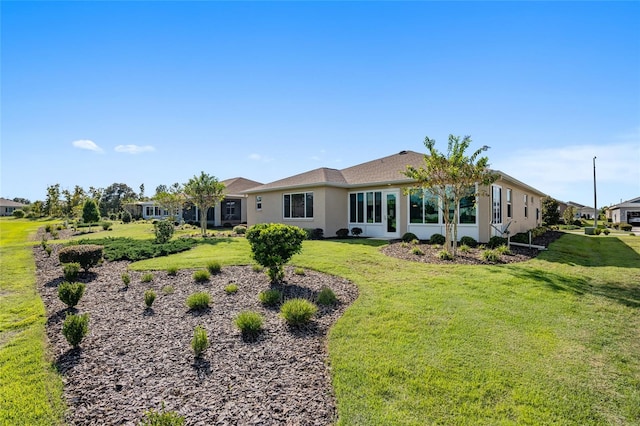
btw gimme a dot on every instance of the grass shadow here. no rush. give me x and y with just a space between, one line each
358 241
585 250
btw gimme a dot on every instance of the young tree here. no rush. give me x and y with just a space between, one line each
114 196
569 215
273 245
52 205
171 199
90 212
550 211
205 192
452 177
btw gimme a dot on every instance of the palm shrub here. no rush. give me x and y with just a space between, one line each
326 297
149 298
270 297
249 323
70 293
200 341
297 311
273 245
75 327
199 300
70 271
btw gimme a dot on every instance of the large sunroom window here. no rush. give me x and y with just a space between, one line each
424 207
365 207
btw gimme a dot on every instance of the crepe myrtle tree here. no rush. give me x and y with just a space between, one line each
273 245
452 177
205 192
171 199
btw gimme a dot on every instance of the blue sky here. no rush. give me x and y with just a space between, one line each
154 92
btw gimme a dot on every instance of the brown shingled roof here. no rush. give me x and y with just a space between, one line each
239 184
383 170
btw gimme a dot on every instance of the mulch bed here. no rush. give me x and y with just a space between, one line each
134 359
472 257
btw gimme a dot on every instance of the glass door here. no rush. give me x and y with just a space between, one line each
391 214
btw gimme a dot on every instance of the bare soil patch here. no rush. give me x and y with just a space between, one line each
472 257
135 359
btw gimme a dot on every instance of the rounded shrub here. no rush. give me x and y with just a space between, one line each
270 297
273 245
201 275
437 239
126 217
163 230
200 341
409 236
342 233
326 297
18 214
249 323
356 231
75 328
87 255
468 241
214 266
199 300
240 229
149 298
70 271
496 241
231 288
106 226
70 293
298 311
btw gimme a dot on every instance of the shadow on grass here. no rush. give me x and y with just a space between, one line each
585 250
359 241
212 241
628 295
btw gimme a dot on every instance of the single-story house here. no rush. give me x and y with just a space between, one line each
7 207
625 212
231 211
582 211
373 196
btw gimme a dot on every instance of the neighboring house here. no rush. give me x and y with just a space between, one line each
7 207
373 196
628 211
231 211
582 211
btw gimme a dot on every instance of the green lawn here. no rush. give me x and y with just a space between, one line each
555 340
30 390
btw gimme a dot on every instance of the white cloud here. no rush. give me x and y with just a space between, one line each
261 158
134 149
87 144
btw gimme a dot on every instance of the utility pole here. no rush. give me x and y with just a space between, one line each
595 202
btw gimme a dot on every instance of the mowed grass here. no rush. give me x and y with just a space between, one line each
30 389
551 341
555 340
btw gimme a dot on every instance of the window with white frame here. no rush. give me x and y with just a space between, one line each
258 202
526 206
423 207
509 202
496 204
365 207
298 205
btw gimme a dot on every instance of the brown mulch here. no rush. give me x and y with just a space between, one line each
472 257
134 359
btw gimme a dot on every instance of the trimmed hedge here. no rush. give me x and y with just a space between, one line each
134 250
87 255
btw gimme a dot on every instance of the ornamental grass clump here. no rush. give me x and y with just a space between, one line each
172 271
200 341
201 275
162 418
326 297
126 279
503 250
75 328
214 267
491 256
147 278
249 323
445 255
149 298
198 301
232 288
298 312
270 297
70 293
417 251
70 271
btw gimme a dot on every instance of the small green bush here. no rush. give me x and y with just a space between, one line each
409 236
437 239
200 341
87 255
299 271
48 250
496 241
70 271
249 323
297 311
342 233
503 250
149 298
314 233
214 267
70 293
147 278
416 250
126 217
172 271
491 256
126 278
257 268
625 227
240 229
270 297
106 225
18 214
201 275
162 418
356 231
167 289
606 232
75 327
465 248
468 241
326 297
48 227
231 288
163 230
444 255
198 301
